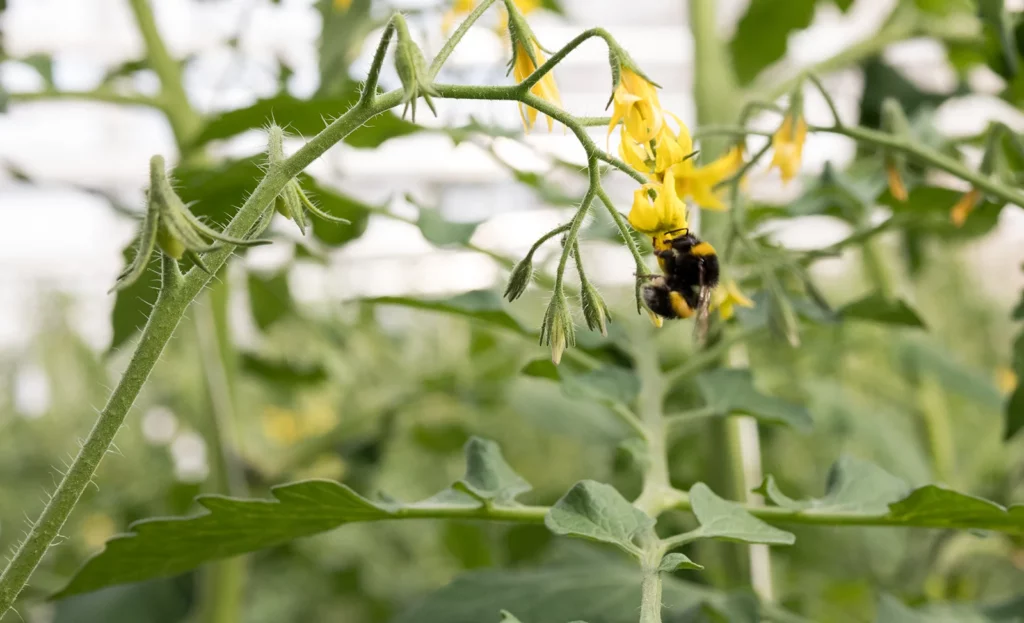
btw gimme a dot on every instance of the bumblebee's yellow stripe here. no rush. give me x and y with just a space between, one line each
679 305
703 249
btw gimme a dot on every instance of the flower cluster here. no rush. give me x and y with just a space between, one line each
651 145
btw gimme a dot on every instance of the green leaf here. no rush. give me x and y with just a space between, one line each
283 372
488 477
677 562
930 207
882 81
480 305
929 356
269 298
876 308
722 519
133 304
593 588
155 601
892 610
853 485
596 511
442 232
733 391
936 507
336 204
164 547
607 384
305 118
507 617
763 33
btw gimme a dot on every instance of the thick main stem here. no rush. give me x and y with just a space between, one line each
719 101
184 120
222 583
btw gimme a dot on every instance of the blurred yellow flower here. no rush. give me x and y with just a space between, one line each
281 425
637 107
96 529
342 5
896 187
727 297
545 89
329 466
1006 379
788 143
666 213
964 207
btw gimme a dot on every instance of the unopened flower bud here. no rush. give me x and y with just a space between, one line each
520 278
412 70
595 312
558 330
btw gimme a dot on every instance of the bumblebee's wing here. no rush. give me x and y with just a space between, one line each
702 317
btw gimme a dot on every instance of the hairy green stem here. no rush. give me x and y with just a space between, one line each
99 95
453 41
185 121
931 157
176 294
650 589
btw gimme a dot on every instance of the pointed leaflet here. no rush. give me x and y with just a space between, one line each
168 546
488 477
877 308
853 485
733 390
676 561
596 511
722 519
933 506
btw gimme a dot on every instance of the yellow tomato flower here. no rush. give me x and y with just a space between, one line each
342 5
634 154
668 150
964 207
700 182
637 106
546 89
1006 380
896 186
788 143
458 8
96 529
666 213
281 426
727 297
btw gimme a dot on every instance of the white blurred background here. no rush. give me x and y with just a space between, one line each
58 238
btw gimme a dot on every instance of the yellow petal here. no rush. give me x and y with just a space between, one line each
668 151
964 207
642 216
896 187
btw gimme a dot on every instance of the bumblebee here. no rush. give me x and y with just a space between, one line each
690 273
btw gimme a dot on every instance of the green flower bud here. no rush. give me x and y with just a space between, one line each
520 278
412 70
558 330
170 226
292 202
595 312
